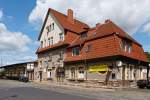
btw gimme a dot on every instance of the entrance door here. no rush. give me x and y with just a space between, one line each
49 74
40 76
81 73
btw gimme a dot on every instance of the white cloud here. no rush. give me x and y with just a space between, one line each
13 41
14 46
129 14
146 28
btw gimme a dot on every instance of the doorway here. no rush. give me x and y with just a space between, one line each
40 76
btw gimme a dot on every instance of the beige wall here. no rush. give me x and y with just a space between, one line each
129 72
54 33
53 64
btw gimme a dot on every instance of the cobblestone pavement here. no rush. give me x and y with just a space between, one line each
91 93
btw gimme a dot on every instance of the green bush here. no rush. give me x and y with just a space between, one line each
148 56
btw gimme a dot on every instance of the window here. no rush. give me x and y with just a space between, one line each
51 41
48 30
61 37
83 35
129 47
113 76
126 46
61 55
81 71
41 44
50 57
41 64
75 51
88 48
45 64
52 26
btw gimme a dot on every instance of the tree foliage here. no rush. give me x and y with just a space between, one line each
148 56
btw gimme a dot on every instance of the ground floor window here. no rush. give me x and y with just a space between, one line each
113 76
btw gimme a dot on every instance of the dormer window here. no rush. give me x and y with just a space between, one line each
83 35
88 48
126 46
75 51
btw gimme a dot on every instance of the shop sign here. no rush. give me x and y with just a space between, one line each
98 68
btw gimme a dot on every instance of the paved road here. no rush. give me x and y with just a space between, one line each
13 90
28 93
20 91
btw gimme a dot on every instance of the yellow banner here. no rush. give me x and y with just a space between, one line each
98 68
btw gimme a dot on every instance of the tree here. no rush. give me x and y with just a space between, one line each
148 56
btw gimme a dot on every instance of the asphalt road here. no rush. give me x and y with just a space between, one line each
14 90
30 93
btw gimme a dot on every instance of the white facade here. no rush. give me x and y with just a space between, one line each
53 33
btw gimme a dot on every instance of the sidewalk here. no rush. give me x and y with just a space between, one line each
78 86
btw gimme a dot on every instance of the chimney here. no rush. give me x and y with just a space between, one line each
70 16
98 25
107 21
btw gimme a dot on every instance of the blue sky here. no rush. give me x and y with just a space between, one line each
20 22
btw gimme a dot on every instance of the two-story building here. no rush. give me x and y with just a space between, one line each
72 50
105 53
57 33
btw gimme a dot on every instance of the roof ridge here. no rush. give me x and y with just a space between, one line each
65 15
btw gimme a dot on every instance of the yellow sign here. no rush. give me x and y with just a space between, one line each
98 68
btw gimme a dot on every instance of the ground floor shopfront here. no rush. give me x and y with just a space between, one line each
106 70
49 74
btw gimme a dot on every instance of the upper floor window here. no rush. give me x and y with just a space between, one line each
126 46
75 51
83 35
61 37
41 44
51 40
50 27
45 64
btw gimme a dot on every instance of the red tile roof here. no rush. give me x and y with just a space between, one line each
104 30
77 26
105 42
59 44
